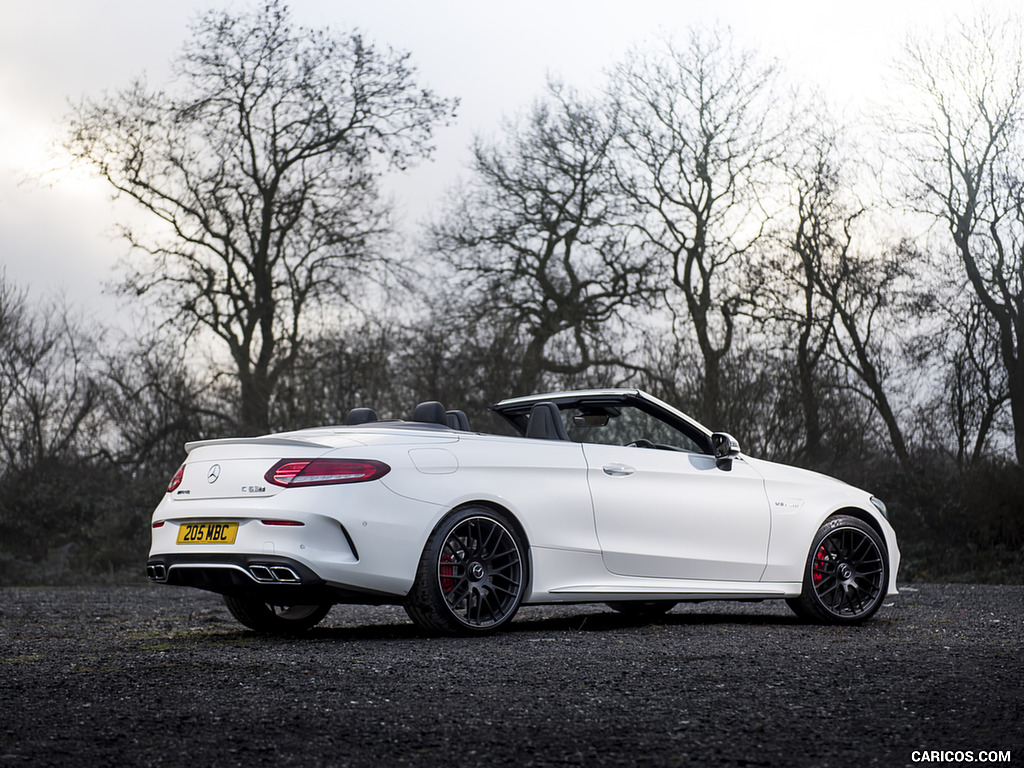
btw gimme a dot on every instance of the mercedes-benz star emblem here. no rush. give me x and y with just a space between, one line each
213 474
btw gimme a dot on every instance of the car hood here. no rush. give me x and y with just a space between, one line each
772 471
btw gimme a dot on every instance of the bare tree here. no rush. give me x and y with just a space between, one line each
973 397
862 290
260 174
804 320
154 402
68 505
538 241
49 395
964 145
836 300
342 369
701 134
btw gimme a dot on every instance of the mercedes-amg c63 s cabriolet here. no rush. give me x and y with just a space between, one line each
608 496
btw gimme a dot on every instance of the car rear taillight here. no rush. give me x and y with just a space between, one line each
176 480
291 473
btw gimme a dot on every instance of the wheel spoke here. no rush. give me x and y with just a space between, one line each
485 544
460 592
492 603
823 592
859 596
846 602
479 603
473 537
865 546
510 592
510 551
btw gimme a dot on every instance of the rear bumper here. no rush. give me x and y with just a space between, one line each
363 537
275 579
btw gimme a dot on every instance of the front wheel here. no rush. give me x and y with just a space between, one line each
846 574
472 574
275 619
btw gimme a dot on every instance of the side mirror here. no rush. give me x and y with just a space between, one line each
726 449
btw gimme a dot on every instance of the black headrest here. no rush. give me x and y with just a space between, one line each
458 420
545 423
432 412
360 416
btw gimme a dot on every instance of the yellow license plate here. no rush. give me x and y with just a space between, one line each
207 533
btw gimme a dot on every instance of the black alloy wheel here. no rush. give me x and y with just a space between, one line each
846 574
472 575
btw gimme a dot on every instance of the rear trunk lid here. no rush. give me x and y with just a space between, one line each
236 467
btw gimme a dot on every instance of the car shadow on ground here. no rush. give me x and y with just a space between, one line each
397 628
613 622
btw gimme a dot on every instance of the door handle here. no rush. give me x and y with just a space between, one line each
618 470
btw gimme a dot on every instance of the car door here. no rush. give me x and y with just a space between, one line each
674 514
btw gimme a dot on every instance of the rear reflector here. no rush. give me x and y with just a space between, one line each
281 522
290 473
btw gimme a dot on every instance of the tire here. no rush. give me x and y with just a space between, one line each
846 575
275 619
472 574
642 609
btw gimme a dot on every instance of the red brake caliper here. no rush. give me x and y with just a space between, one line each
447 572
820 557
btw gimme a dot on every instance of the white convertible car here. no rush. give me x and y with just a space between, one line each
607 496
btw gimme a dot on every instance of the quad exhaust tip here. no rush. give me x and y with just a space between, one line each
265 574
273 574
156 572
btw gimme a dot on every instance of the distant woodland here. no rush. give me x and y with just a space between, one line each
843 294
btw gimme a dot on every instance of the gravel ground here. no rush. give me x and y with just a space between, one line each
161 676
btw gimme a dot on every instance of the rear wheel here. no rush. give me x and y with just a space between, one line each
846 574
472 574
275 619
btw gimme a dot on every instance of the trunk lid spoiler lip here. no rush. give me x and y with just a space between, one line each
265 440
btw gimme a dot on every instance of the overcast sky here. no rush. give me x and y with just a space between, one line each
494 56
